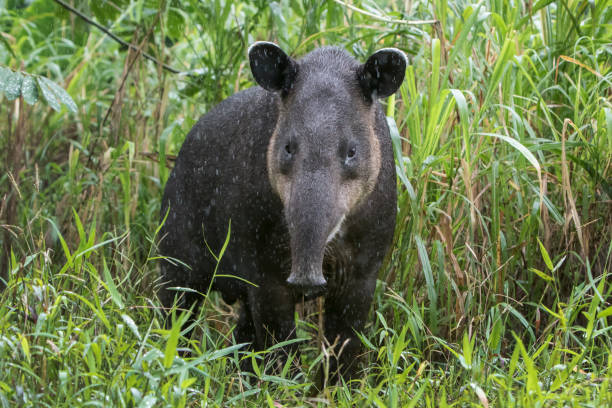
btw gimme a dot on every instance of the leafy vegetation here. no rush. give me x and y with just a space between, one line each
497 290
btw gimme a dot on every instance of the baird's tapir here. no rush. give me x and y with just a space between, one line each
302 169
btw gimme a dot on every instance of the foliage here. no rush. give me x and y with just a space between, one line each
497 290
16 84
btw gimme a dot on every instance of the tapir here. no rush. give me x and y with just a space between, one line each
299 173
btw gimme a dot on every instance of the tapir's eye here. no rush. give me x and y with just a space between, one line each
350 164
350 152
287 154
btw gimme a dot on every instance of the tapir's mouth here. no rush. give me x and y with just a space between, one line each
311 293
309 285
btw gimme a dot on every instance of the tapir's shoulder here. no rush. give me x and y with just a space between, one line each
249 102
251 111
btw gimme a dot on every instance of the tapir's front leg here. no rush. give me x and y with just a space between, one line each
345 315
272 308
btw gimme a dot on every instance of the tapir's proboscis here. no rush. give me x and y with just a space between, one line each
301 167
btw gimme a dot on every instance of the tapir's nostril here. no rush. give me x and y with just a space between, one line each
308 286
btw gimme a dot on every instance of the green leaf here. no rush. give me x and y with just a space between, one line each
494 339
605 313
429 279
29 90
399 346
467 351
110 284
397 147
79 226
67 253
98 311
61 94
545 256
532 373
504 57
513 361
417 396
48 94
12 89
608 114
103 10
435 72
170 351
542 274
520 318
5 73
176 22
462 107
518 146
25 346
6 44
132 325
147 402
188 382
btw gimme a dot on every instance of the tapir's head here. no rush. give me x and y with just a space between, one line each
324 156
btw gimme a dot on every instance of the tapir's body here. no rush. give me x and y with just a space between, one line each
230 171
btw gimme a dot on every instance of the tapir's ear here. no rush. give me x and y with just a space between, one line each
382 73
271 67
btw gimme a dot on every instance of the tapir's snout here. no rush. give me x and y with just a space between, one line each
310 285
312 212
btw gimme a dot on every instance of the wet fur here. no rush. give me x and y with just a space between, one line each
223 173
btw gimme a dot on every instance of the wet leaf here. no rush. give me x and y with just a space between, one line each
132 325
12 89
4 75
29 90
147 402
48 94
61 95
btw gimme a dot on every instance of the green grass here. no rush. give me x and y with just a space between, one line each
497 291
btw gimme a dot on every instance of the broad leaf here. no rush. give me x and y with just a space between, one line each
4 76
12 89
29 90
48 94
61 95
